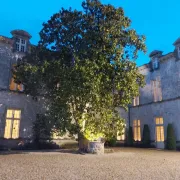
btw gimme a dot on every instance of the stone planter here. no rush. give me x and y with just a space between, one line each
96 147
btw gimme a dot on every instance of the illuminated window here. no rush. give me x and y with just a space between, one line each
137 130
20 45
136 101
122 136
159 129
157 91
15 87
12 124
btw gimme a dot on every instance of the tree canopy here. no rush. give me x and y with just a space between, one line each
85 66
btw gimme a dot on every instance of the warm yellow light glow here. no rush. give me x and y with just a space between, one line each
159 129
136 101
8 128
12 124
9 113
15 131
55 135
157 90
121 137
15 87
137 130
17 114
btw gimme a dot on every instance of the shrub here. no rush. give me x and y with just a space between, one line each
146 136
42 145
111 142
130 137
171 139
41 129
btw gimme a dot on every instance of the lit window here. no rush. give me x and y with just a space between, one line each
155 63
122 136
12 124
159 129
15 87
137 130
157 91
20 45
136 101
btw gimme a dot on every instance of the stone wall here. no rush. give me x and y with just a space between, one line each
14 100
169 76
29 108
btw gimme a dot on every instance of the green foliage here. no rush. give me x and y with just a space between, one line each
41 129
171 139
111 141
85 67
37 146
130 137
146 136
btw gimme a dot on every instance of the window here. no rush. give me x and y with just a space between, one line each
15 87
159 129
155 63
137 130
157 91
122 136
20 45
12 124
136 101
178 49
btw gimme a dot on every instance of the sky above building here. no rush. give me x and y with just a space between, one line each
158 20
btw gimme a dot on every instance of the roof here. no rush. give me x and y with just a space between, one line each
5 39
177 42
21 32
155 52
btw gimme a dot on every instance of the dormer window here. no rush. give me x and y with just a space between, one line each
178 50
155 63
20 45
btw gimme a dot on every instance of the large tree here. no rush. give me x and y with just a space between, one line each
85 66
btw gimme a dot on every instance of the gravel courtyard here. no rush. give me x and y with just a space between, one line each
124 163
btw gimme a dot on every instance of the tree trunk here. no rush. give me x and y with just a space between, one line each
82 143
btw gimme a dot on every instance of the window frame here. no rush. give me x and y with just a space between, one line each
122 137
155 63
137 130
156 90
136 101
20 42
12 120
178 51
15 87
159 127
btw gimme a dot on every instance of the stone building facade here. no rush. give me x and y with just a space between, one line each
157 105
17 110
159 101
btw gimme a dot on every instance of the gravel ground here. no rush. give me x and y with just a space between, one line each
124 163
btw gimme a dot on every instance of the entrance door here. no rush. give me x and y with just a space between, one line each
159 133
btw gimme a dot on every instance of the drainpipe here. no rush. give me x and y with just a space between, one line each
129 115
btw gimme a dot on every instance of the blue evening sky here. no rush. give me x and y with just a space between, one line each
158 20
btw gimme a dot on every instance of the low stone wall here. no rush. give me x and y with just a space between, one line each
96 147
